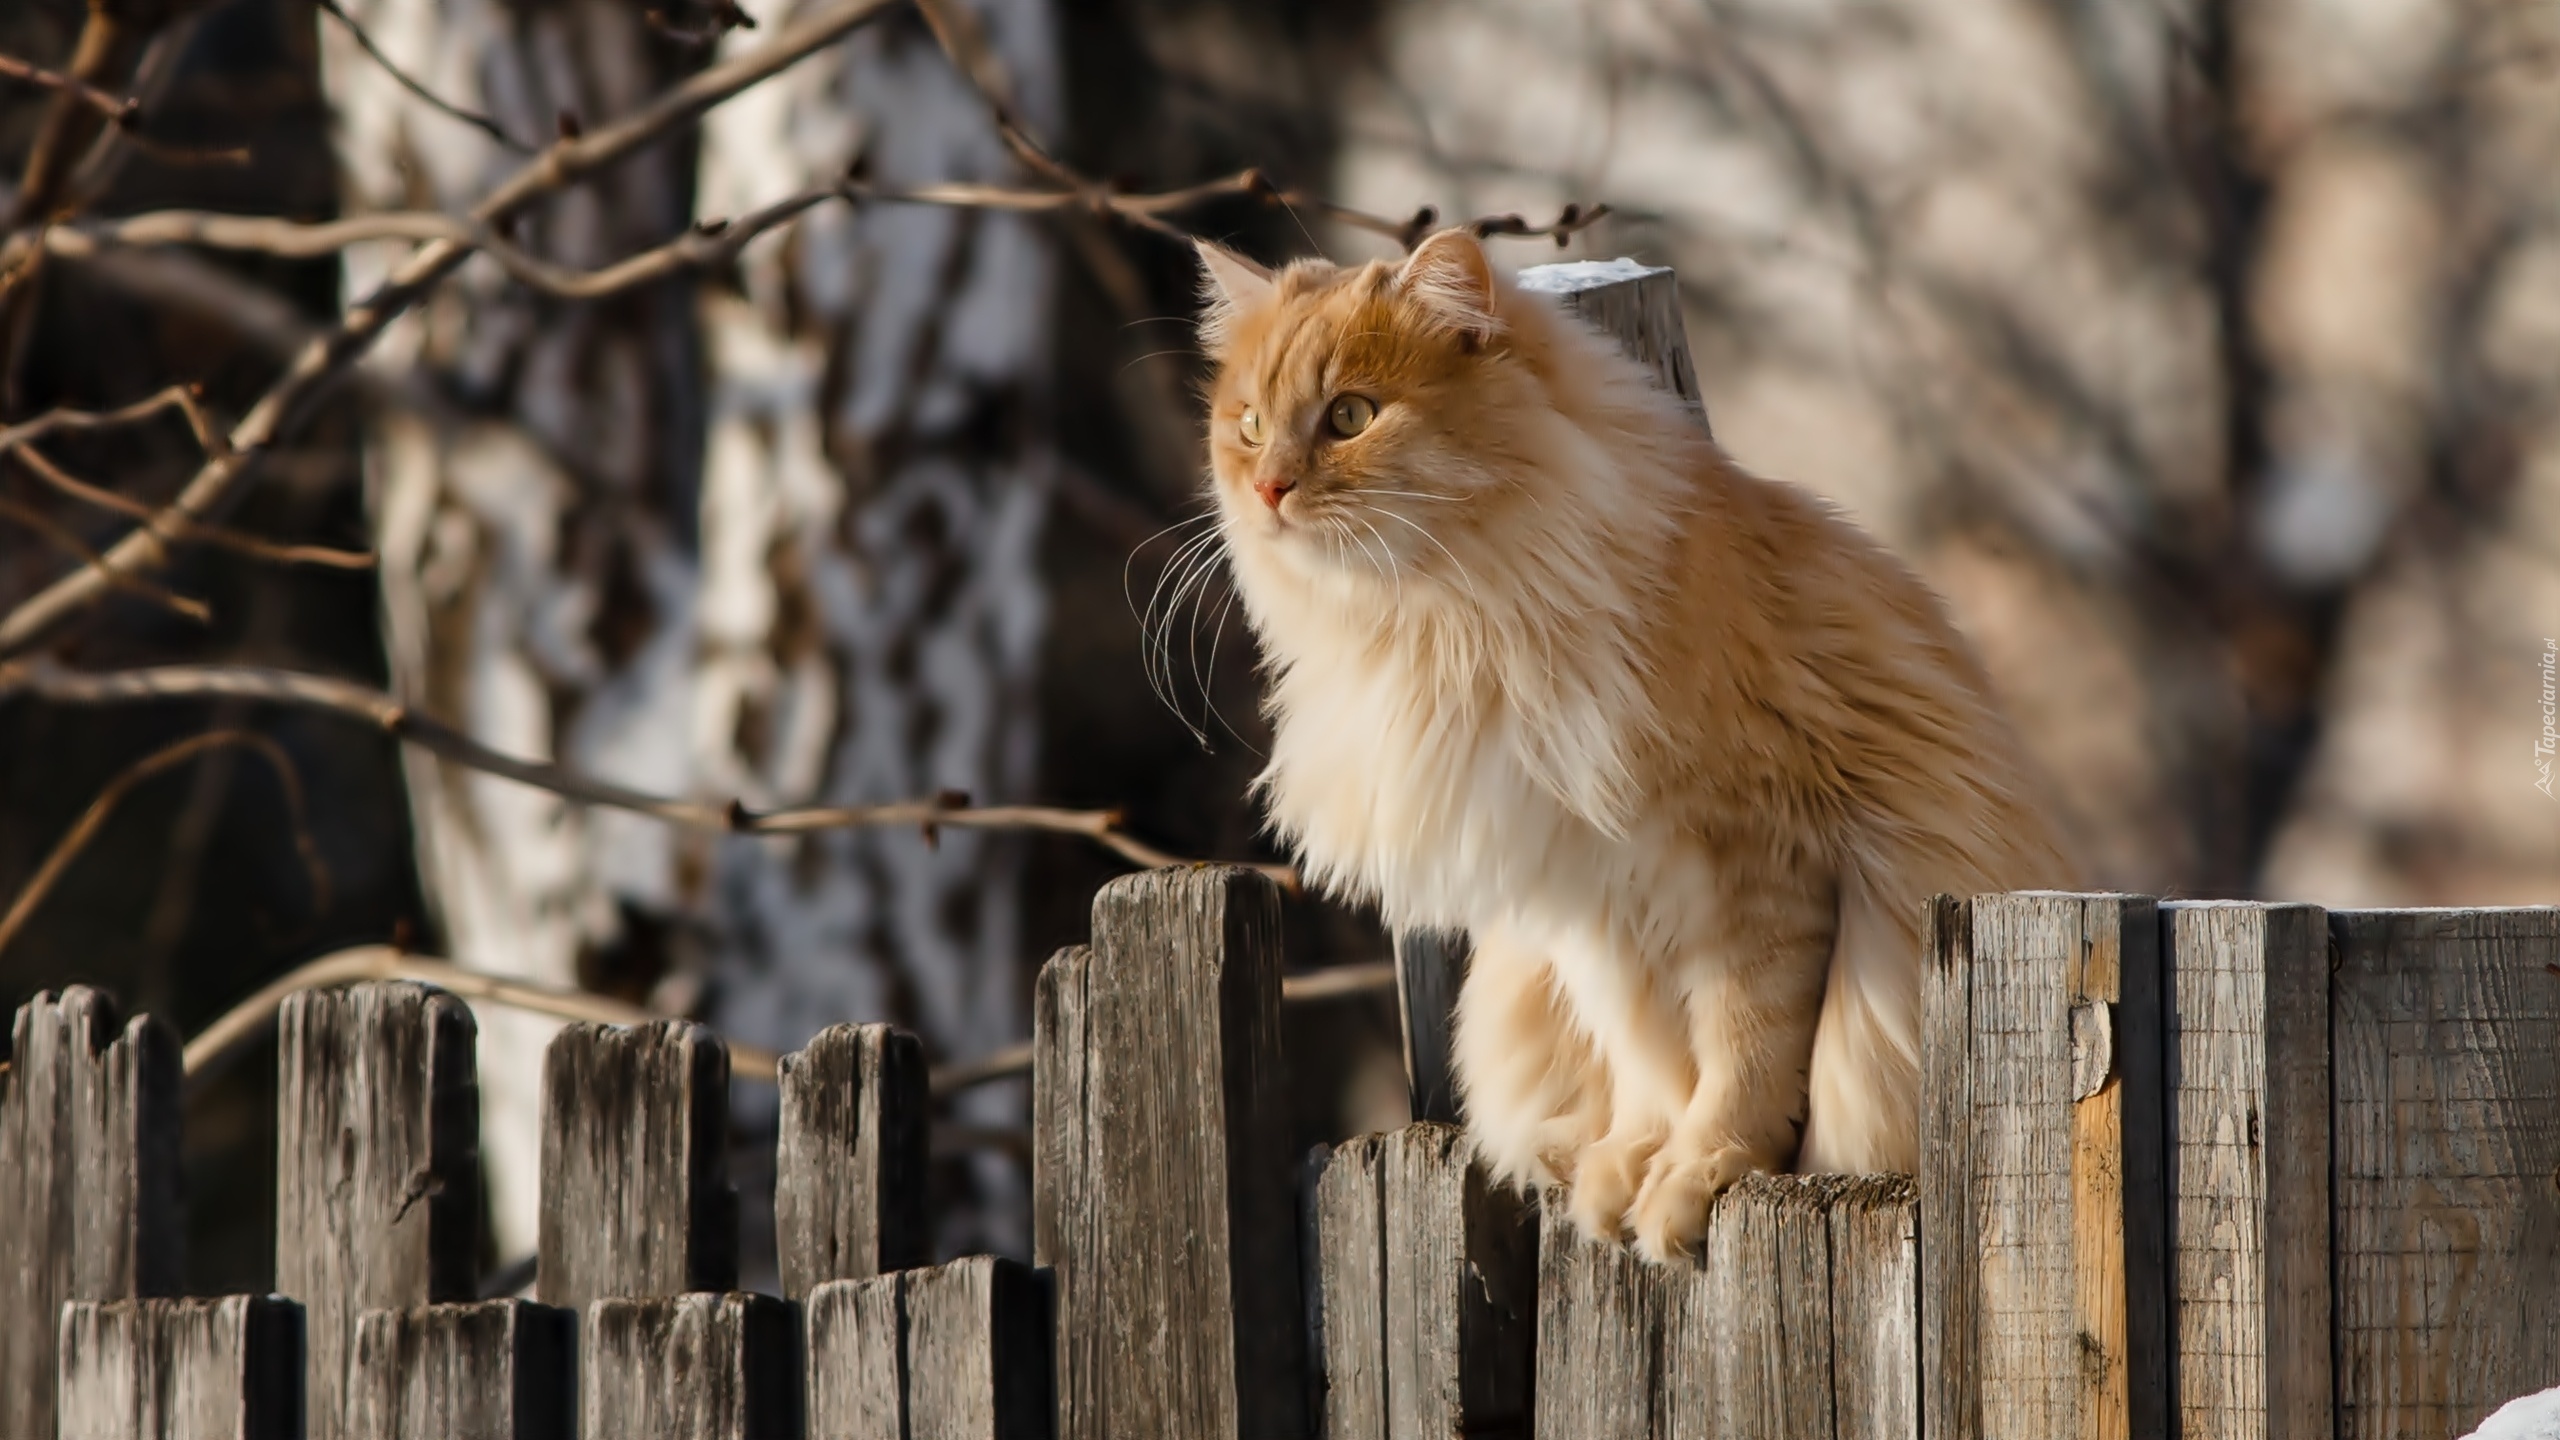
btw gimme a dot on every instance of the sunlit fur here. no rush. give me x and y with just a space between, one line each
1681 748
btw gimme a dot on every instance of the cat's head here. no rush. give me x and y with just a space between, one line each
1360 418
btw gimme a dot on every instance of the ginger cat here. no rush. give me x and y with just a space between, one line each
1682 749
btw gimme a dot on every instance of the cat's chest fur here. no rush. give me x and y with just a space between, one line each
1467 794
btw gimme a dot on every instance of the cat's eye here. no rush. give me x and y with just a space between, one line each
1250 425
1350 415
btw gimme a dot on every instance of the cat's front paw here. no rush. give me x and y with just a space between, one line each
1669 1215
1604 1182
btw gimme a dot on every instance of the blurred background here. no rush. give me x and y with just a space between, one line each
2202 353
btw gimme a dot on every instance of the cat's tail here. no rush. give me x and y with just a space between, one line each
1862 1110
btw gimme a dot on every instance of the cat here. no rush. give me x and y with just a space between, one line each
1683 750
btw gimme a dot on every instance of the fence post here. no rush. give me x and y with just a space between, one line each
2043 1160
494 1371
689 1367
2446 1116
857 1342
1427 1273
1163 1165
635 1165
1600 1331
849 1172
89 1181
2249 1164
1875 1308
226 1369
377 1166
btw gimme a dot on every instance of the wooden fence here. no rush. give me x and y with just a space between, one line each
2203 1170
2226 1172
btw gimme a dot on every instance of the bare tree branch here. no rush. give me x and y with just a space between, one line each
485 124
86 828
39 465
947 811
365 320
116 108
60 538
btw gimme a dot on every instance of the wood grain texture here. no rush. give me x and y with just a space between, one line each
1065 1234
1746 1325
1347 1279
2249 1164
1636 305
499 1370
2445 1037
89 1180
1600 1334
849 1178
221 1369
1161 1093
690 1367
1430 967
977 1352
2060 1328
377 1166
1950 1233
1875 1309
857 1358
1461 1278
635 1164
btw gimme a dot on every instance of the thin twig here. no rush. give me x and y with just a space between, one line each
77 838
240 1026
117 108
169 682
61 538
485 124
365 320
37 464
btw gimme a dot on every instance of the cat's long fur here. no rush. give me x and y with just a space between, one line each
1684 750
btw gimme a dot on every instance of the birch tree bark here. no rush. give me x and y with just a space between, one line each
539 540
871 607
841 601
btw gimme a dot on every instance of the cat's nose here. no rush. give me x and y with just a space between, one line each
1273 492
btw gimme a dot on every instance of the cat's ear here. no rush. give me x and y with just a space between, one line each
1230 285
1450 277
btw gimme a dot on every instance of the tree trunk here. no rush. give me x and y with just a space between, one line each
872 610
539 539
837 600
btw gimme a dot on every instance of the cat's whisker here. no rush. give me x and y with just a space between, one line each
1464 578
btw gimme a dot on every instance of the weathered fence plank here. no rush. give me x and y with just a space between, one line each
977 1352
1875 1309
1162 1101
849 1172
1428 1279
1600 1327
1347 1279
2249 1162
89 1181
857 1357
2059 1065
501 1370
635 1165
1746 1329
1636 305
2446 1117
1461 1286
225 1369
951 1352
377 1166
1431 965
689 1367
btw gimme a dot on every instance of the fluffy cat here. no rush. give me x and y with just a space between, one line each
1681 748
